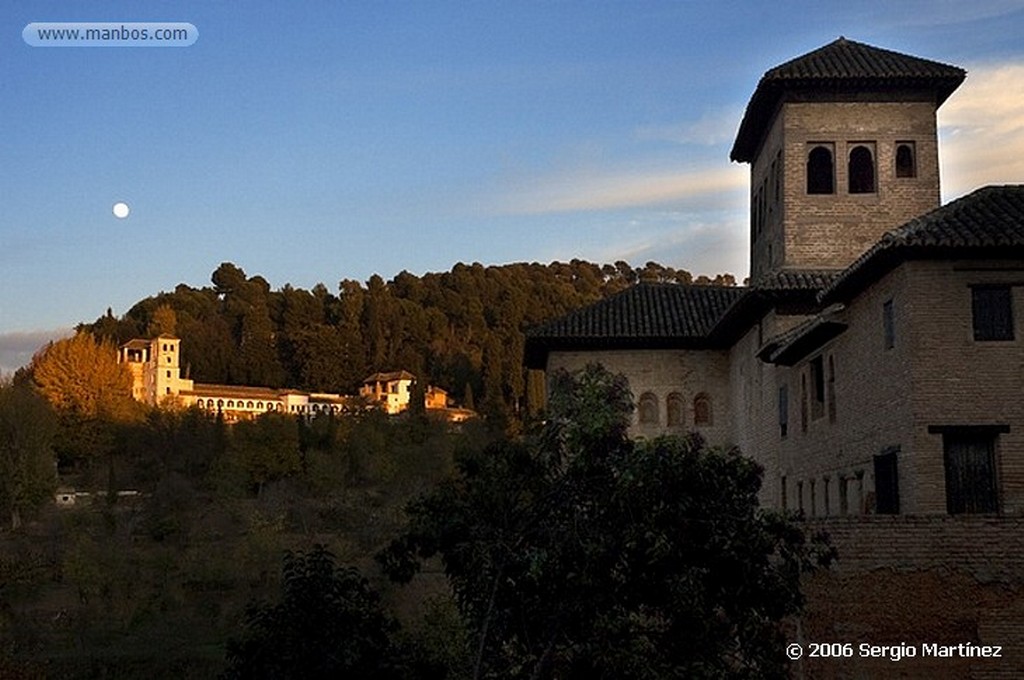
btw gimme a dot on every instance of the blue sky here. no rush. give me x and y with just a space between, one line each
340 139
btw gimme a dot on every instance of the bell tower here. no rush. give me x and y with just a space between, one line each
842 147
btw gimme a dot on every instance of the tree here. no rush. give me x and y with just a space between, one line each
82 377
267 447
579 553
328 624
27 468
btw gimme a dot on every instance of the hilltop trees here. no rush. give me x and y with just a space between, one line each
580 553
462 330
81 376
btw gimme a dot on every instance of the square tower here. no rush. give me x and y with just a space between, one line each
842 147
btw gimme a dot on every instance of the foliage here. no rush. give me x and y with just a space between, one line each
579 553
81 377
27 467
329 623
267 447
462 330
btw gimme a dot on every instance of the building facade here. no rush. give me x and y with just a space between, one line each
155 366
875 361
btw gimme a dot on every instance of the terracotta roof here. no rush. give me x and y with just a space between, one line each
987 223
647 314
388 377
236 391
841 66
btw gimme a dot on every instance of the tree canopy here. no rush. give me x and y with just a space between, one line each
28 475
462 330
81 376
578 553
329 623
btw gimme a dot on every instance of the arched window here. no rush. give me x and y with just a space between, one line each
702 409
648 408
231 403
248 404
220 404
862 170
906 165
820 173
674 410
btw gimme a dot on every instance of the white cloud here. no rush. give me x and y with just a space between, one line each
18 347
982 130
586 191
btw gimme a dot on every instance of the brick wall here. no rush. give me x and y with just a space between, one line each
916 580
831 230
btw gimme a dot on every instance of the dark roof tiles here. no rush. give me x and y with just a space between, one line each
645 311
841 66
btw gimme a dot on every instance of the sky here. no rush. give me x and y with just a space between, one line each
335 140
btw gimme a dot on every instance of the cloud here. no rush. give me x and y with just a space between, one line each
714 127
18 347
587 191
982 130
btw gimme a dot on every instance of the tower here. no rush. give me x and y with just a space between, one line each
842 147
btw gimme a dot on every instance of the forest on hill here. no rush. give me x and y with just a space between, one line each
462 329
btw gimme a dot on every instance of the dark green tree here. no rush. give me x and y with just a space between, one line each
28 428
328 624
581 554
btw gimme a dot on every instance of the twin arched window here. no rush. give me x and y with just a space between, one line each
860 168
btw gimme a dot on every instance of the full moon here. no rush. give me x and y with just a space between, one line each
121 210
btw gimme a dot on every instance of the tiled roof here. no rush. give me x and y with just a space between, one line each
647 314
388 377
988 222
841 65
237 391
795 279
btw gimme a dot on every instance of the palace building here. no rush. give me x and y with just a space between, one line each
155 367
873 365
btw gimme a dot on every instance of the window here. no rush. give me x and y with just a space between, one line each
814 500
826 486
992 312
783 411
906 160
844 498
674 409
800 496
168 374
648 408
803 403
817 387
702 409
831 389
783 493
861 170
820 173
970 460
888 326
887 483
